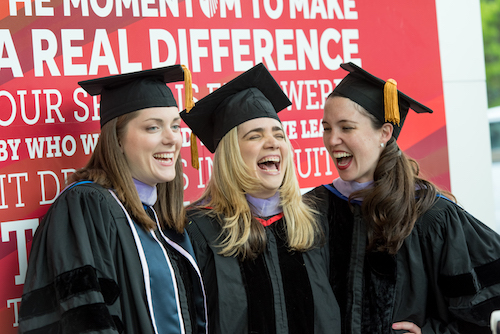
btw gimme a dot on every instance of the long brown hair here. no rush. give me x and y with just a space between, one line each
398 196
108 167
242 235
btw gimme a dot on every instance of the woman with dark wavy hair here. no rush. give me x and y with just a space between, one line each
405 258
111 254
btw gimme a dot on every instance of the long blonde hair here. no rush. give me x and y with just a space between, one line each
242 235
109 168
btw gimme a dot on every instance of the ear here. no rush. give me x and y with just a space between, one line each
386 132
120 146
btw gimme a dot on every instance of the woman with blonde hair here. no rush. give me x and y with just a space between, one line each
259 246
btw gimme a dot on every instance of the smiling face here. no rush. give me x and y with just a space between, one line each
352 140
151 144
264 150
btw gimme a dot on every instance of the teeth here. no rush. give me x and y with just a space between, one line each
338 155
163 156
269 159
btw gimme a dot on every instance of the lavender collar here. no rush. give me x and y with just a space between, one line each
346 188
265 207
147 193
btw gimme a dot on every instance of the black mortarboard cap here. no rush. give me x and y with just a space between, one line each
125 93
252 94
380 98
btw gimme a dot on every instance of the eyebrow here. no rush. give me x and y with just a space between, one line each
341 121
261 130
160 120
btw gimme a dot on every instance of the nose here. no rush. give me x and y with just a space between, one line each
170 137
272 142
331 138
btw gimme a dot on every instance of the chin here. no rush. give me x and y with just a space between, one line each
270 190
166 178
271 186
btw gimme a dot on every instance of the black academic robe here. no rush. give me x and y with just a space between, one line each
445 278
85 275
280 292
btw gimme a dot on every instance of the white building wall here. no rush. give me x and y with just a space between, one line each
466 105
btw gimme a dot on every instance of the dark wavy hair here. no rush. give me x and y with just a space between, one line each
108 167
398 196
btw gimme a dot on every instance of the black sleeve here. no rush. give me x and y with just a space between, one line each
71 277
463 264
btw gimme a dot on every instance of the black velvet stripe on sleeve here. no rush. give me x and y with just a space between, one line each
456 286
38 302
488 274
296 285
258 286
76 281
67 285
109 289
463 285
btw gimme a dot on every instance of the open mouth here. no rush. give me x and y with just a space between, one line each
164 156
343 158
269 164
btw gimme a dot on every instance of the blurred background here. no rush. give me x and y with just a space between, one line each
490 14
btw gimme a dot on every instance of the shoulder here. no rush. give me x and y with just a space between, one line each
317 193
326 200
196 212
84 190
442 211
447 218
199 216
94 195
325 193
318 198
202 225
322 201
85 202
80 219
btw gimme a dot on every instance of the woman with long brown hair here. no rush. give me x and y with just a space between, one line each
405 257
111 254
259 245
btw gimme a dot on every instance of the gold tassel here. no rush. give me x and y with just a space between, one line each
188 90
189 103
391 103
194 152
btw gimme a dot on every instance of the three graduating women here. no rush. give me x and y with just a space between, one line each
397 252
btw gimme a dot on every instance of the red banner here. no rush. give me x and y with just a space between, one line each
49 126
